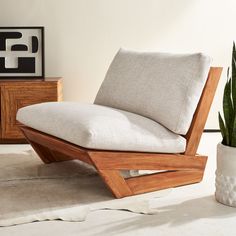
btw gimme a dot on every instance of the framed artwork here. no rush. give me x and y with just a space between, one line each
21 52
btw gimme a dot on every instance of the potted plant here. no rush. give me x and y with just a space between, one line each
226 150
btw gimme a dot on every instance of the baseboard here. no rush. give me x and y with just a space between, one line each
211 131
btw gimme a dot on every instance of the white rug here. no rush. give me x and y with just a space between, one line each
32 191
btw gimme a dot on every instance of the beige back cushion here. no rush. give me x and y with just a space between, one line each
163 87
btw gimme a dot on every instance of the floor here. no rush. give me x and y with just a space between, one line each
189 210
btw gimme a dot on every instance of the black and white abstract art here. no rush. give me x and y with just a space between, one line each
21 52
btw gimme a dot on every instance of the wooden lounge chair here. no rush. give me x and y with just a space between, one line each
177 169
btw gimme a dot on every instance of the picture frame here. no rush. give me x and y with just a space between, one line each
22 52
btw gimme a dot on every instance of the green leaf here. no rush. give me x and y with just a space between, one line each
223 130
233 138
228 109
233 76
228 125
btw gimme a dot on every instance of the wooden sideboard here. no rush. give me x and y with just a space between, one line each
20 93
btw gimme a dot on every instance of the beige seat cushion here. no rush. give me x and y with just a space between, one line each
163 87
99 127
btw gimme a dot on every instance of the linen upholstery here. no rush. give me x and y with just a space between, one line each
161 86
99 127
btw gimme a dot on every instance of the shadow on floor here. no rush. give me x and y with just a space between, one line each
174 215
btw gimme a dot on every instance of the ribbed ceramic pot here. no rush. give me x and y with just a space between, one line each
226 175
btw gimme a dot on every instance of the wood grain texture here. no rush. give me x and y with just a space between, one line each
146 161
170 179
19 93
200 117
116 183
182 169
66 150
117 160
44 153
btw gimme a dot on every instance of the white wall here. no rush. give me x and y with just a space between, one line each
82 36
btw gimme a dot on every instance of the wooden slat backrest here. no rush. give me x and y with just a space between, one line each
200 116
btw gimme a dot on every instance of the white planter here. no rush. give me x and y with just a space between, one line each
226 175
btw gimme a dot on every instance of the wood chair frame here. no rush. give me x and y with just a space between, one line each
176 169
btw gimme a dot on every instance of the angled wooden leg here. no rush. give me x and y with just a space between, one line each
177 169
47 155
121 187
43 152
163 180
116 183
51 149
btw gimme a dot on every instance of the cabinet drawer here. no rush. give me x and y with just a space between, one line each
14 97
